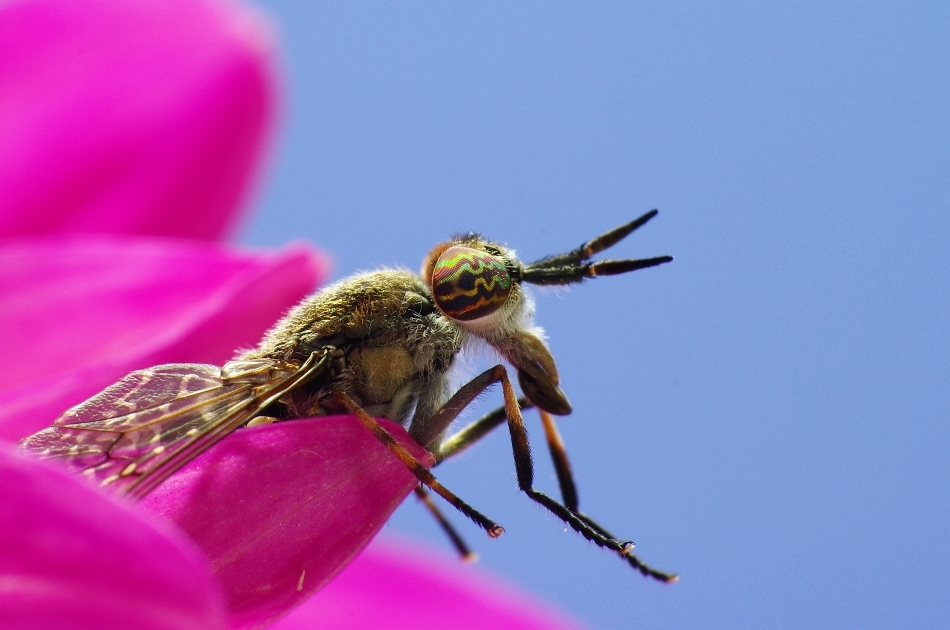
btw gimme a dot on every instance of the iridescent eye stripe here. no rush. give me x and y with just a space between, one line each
469 283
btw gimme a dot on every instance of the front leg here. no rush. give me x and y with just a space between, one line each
562 467
520 445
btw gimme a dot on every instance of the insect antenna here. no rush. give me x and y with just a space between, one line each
570 268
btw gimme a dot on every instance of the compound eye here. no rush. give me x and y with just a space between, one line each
469 283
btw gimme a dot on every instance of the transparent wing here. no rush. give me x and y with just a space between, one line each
137 432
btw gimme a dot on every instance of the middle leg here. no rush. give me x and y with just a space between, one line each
521 449
415 466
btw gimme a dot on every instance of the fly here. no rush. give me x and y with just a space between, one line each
376 344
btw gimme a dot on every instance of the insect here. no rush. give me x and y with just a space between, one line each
377 344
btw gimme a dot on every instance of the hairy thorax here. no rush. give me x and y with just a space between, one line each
393 345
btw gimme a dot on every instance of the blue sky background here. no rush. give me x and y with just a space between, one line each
767 415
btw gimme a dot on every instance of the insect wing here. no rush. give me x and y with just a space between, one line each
153 421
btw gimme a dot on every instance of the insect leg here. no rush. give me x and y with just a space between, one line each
454 536
521 449
525 471
476 431
562 467
454 445
415 466
484 425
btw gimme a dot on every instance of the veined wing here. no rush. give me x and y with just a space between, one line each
139 431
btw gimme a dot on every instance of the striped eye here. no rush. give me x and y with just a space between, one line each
468 283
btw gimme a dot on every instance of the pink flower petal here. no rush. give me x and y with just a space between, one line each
79 313
280 509
145 117
411 586
72 558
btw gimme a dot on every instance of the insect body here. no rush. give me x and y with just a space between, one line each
377 344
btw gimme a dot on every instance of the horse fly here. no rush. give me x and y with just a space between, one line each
376 344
